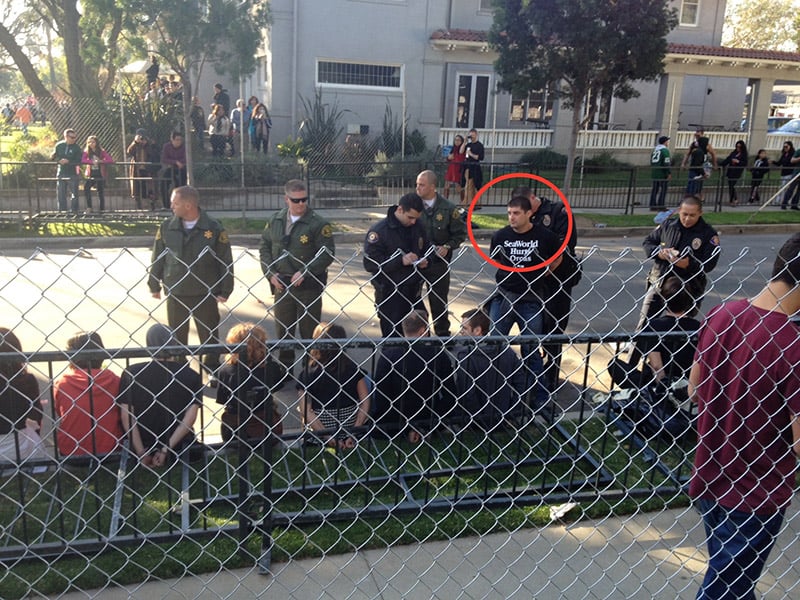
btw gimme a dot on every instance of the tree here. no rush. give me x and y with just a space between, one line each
761 24
225 33
580 49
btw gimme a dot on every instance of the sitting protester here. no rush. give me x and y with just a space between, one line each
160 400
88 417
490 378
667 358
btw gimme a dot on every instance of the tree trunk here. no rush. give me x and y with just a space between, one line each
17 54
187 126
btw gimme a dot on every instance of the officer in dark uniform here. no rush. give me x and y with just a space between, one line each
553 215
193 261
395 250
446 231
685 246
296 250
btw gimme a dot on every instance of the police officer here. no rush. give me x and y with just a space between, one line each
446 231
553 215
685 246
296 250
395 250
192 259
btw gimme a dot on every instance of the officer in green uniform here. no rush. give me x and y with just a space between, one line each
446 231
193 261
296 250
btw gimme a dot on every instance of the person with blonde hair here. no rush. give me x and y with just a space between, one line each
246 381
333 390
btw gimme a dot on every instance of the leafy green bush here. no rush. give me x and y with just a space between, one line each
602 162
544 159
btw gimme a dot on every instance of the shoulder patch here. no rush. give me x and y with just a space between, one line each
327 231
158 234
223 237
715 240
546 220
372 237
456 214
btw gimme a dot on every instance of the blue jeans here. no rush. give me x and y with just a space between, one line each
67 183
738 546
529 316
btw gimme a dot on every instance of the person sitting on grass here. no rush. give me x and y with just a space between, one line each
333 391
88 417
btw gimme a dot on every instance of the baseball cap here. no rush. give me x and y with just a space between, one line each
141 132
663 139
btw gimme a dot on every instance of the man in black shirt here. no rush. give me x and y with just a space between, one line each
472 164
395 248
521 295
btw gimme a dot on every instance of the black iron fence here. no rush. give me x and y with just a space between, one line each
231 185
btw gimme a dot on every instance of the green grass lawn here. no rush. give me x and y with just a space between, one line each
309 483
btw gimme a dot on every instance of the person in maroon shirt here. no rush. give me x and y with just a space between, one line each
746 384
173 166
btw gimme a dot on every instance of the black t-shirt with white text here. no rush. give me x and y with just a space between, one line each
522 250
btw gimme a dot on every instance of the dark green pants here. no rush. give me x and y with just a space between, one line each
205 312
296 309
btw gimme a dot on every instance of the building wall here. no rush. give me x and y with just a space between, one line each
397 32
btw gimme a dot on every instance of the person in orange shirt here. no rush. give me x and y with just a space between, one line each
85 401
24 116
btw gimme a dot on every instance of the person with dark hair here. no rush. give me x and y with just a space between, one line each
520 296
553 215
700 155
96 160
472 175
152 70
446 232
296 250
736 162
759 171
787 171
660 172
85 400
333 391
746 384
173 166
668 358
159 400
685 246
490 377
413 384
198 118
67 155
141 153
394 250
260 126
20 405
222 98
192 260
246 382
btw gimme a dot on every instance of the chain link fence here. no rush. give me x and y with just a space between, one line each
579 496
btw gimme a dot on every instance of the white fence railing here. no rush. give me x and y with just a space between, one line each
530 139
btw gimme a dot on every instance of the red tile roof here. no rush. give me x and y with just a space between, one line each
724 52
479 36
460 35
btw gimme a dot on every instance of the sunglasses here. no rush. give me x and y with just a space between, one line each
297 200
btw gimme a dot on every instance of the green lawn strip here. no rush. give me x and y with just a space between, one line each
354 480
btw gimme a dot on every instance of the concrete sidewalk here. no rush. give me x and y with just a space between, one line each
655 555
